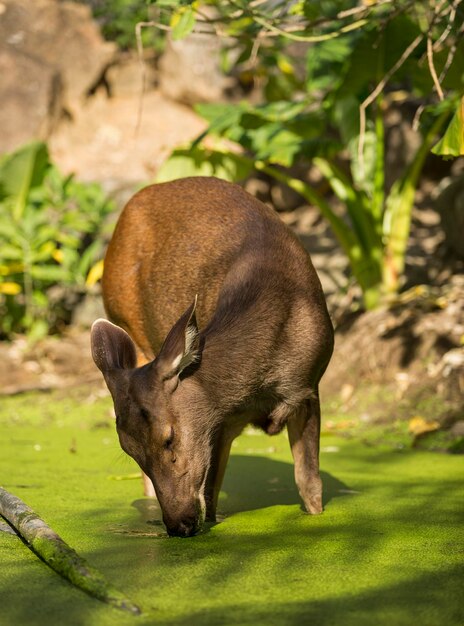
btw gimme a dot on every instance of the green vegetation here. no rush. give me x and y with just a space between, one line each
329 75
50 234
118 19
452 143
387 550
326 101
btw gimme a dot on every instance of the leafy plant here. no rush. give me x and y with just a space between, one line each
330 111
49 227
374 239
452 143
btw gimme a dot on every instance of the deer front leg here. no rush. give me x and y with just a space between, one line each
220 456
148 489
216 475
304 432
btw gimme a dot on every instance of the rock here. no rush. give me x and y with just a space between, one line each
285 199
52 363
420 335
31 96
189 70
450 204
346 392
107 142
457 429
402 141
126 76
87 311
403 358
448 376
52 55
258 187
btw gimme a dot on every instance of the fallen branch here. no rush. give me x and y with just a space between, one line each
57 554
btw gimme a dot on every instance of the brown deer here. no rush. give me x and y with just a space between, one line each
220 302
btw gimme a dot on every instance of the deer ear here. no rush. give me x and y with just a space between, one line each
112 348
182 345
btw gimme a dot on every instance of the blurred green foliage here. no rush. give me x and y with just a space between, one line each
452 143
329 73
50 235
118 19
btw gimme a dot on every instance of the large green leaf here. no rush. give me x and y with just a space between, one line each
346 117
223 117
364 173
275 144
452 142
280 110
21 172
213 111
276 132
200 161
325 61
358 207
11 253
49 273
182 22
368 174
7 229
375 51
225 120
397 216
88 258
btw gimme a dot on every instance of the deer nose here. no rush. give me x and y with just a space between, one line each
185 528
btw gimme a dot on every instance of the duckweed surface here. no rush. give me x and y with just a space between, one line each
387 550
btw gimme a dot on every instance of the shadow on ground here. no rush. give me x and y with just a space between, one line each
250 483
432 599
254 482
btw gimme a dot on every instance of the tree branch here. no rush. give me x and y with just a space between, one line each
432 69
57 554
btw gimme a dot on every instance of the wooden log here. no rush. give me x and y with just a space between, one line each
58 555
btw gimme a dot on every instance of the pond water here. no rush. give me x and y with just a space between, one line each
387 550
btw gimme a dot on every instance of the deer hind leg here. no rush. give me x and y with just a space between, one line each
304 432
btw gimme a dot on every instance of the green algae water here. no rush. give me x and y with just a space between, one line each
389 548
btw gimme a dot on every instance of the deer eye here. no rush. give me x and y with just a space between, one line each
145 414
168 442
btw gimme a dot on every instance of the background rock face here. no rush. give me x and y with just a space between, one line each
31 97
51 55
450 204
189 70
